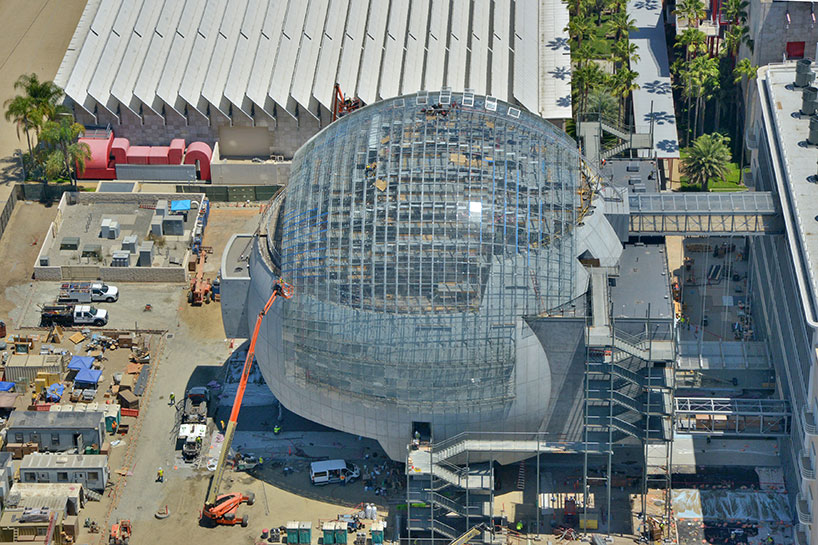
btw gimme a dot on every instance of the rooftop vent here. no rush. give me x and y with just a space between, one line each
813 131
803 73
808 96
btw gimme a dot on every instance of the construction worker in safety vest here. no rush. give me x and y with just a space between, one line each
160 475
520 526
276 429
172 398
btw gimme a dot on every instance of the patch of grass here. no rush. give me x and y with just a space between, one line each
729 183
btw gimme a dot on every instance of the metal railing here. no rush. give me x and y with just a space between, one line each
804 509
807 466
808 420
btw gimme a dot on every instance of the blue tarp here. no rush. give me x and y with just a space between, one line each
179 206
88 376
54 392
6 386
80 362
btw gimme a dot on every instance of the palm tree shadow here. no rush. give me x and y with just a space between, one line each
10 171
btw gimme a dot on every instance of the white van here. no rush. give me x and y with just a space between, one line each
331 471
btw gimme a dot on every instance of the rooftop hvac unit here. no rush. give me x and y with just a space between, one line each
121 258
813 131
808 96
803 73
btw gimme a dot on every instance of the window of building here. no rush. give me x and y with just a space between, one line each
41 531
55 439
93 475
35 437
62 477
18 437
29 477
795 50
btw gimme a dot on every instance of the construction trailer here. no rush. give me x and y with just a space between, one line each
90 470
56 431
24 368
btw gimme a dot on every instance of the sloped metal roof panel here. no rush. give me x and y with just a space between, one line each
458 42
415 57
479 62
352 48
134 56
180 50
500 50
266 53
392 64
215 79
436 44
288 45
111 56
526 46
373 52
245 53
204 46
307 61
330 53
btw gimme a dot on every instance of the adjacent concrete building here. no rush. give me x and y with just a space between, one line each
785 273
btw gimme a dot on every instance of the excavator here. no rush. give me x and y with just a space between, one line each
223 508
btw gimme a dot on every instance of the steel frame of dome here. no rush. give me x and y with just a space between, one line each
415 231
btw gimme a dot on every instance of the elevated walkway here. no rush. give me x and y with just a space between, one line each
704 214
722 416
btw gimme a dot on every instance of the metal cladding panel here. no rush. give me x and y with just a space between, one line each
203 50
266 53
436 48
393 55
145 87
415 57
216 77
500 50
373 52
77 87
287 53
180 50
331 39
245 52
458 42
479 63
135 55
352 47
111 57
307 62
526 60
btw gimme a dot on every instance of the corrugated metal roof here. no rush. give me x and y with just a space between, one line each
226 55
73 461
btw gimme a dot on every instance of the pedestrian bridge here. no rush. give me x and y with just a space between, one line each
691 214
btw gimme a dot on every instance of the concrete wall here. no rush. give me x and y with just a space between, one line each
286 133
234 292
767 22
232 172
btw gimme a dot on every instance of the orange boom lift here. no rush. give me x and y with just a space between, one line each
222 508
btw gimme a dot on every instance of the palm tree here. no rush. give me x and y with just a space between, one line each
692 11
66 152
579 28
735 11
604 103
625 51
734 37
622 24
585 77
707 159
45 96
693 41
24 113
703 72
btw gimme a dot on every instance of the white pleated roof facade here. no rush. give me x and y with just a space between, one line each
244 55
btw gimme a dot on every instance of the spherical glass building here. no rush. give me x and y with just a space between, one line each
420 234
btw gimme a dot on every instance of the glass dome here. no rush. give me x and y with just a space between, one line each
416 232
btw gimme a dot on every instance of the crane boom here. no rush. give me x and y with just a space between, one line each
284 290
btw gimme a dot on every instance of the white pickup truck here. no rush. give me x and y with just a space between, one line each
87 292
